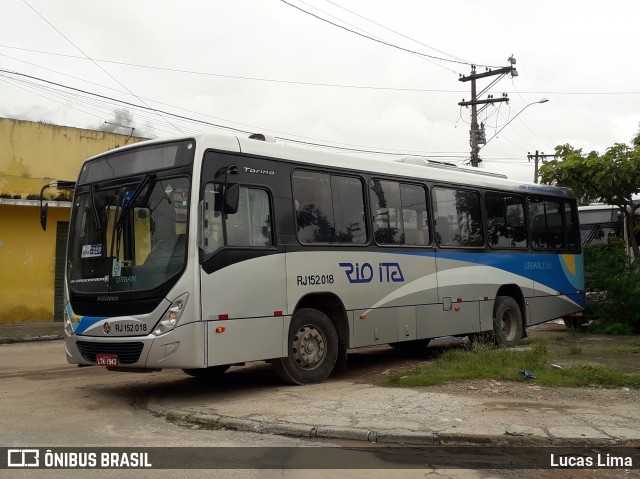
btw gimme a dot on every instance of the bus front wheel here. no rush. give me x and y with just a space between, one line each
312 348
507 322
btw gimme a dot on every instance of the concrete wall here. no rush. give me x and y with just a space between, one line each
32 155
27 262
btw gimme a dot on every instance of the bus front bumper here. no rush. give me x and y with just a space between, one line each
182 347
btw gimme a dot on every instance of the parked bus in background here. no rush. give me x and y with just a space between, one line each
210 251
601 225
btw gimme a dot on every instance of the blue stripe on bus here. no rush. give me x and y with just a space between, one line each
83 322
560 272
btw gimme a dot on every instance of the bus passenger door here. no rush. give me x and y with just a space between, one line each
242 273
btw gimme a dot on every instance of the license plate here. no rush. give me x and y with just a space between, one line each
108 360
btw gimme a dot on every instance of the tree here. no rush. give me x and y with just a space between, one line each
613 177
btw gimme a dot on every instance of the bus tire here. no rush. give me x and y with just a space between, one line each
212 372
312 349
507 322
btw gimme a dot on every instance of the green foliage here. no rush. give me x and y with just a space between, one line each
603 262
608 269
620 312
613 177
487 362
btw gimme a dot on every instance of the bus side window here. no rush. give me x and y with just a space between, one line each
546 224
329 208
443 232
505 220
249 226
458 217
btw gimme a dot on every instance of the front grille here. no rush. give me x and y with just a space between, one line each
128 353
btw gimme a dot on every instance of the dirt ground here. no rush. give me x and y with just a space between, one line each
566 347
372 365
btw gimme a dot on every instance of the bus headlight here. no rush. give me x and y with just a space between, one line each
172 316
68 325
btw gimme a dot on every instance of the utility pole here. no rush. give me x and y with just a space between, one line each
476 133
537 157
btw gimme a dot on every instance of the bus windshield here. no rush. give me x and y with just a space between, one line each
129 237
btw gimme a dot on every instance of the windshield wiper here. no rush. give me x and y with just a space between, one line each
128 206
119 224
93 207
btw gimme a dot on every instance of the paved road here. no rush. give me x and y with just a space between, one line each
47 403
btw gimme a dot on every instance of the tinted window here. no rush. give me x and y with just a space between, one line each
329 208
572 227
399 213
458 217
250 225
137 160
546 224
506 227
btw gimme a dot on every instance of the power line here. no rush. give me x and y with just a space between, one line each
316 143
240 77
64 98
381 41
397 33
296 82
89 58
374 36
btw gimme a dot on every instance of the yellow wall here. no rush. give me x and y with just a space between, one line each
32 154
27 262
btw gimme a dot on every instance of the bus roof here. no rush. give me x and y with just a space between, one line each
415 167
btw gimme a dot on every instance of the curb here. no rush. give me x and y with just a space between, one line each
215 421
31 339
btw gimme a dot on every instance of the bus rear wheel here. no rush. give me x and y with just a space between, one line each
312 349
507 322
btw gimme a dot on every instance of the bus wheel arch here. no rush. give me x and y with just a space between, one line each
333 307
508 323
312 348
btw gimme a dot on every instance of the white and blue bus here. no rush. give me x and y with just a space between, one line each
210 251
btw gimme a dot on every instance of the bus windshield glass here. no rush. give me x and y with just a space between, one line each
128 238
136 161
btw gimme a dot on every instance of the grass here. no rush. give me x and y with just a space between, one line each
484 361
621 351
575 350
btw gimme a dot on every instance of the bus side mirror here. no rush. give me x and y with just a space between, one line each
231 199
44 209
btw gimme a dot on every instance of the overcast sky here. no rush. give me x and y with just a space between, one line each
266 66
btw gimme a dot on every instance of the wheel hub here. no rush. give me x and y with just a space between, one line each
309 347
